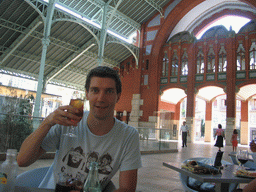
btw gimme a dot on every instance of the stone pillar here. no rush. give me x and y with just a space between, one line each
191 94
244 131
208 132
231 90
136 112
190 121
230 126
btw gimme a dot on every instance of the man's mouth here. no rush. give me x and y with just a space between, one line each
101 107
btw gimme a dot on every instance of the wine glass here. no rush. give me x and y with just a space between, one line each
242 157
79 104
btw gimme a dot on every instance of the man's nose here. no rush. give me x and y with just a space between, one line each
101 95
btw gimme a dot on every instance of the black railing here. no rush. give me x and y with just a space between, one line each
14 129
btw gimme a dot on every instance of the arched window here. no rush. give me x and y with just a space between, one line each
211 60
165 65
240 58
184 63
253 56
222 59
175 64
200 62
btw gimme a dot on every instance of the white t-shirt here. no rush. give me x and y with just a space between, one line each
184 128
118 149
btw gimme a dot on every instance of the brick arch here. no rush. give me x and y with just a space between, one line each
169 23
247 83
214 84
172 87
178 13
218 15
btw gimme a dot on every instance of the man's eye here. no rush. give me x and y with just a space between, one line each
94 90
110 91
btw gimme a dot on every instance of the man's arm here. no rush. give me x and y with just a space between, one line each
250 186
31 149
127 181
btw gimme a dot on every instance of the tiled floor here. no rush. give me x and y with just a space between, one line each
153 176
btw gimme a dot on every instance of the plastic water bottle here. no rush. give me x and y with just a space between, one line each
8 173
92 183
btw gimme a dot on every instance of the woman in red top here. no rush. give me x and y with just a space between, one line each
220 136
234 140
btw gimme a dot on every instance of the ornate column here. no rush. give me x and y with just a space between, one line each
231 90
191 94
45 43
208 132
244 132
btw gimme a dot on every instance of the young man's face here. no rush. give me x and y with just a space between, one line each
102 96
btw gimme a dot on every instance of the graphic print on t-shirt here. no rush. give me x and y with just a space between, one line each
76 163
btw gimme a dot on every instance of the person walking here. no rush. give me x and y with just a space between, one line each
184 131
234 140
220 136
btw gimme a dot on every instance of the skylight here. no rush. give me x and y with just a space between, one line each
90 21
236 22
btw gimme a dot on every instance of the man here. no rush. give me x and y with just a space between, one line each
99 135
184 131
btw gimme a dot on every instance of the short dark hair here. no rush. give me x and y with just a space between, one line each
105 72
219 126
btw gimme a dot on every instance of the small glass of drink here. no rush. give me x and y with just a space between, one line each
79 104
67 184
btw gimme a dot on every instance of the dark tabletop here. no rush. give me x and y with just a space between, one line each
227 174
31 189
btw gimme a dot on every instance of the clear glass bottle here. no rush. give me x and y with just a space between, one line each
9 169
92 183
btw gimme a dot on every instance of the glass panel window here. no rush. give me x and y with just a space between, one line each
211 64
240 58
222 59
253 60
222 63
175 64
211 60
165 65
200 62
184 64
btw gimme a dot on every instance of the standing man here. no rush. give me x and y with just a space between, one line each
184 131
100 137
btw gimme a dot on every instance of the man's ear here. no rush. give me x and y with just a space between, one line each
86 95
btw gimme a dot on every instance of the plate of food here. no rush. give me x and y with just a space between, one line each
245 173
200 168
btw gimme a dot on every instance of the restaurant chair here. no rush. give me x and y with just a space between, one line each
233 158
250 164
31 178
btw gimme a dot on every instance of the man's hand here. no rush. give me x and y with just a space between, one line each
253 146
63 116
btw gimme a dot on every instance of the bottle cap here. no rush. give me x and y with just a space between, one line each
12 152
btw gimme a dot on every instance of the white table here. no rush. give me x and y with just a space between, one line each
222 180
